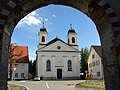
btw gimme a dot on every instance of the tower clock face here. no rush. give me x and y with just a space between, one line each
58 47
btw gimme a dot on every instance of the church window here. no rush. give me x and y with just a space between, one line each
43 38
73 40
69 65
58 47
48 65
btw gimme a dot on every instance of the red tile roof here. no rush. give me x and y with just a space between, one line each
21 54
98 49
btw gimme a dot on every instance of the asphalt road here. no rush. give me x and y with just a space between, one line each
49 85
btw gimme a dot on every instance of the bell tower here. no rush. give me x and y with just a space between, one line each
72 37
43 35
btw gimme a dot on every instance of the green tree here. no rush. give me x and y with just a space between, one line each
84 58
32 68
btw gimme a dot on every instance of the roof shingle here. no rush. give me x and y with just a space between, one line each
98 49
20 54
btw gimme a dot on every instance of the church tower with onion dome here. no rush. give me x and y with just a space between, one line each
72 37
43 35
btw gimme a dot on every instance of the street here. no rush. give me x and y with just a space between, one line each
49 85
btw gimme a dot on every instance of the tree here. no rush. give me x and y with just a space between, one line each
32 68
84 58
13 55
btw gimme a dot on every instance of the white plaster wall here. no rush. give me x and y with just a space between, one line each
21 68
64 47
96 68
70 38
58 59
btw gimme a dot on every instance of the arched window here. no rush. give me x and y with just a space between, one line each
48 65
73 40
43 38
69 65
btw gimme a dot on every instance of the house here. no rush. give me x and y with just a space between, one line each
19 62
57 59
95 66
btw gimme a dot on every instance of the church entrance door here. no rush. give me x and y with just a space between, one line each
59 73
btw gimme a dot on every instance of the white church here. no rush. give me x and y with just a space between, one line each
57 59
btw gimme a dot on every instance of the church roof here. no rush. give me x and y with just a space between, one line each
71 30
43 28
54 40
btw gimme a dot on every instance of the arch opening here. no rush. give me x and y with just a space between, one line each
104 27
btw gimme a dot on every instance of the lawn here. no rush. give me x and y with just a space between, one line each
15 87
97 84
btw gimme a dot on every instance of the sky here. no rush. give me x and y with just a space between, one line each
57 20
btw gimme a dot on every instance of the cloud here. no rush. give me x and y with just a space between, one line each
31 19
54 15
45 19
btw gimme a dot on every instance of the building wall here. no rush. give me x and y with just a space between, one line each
21 68
58 61
95 65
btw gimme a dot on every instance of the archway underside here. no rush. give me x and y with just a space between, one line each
100 11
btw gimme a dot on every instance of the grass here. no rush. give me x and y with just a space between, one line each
97 84
15 87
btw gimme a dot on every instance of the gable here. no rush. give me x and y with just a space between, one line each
58 46
93 51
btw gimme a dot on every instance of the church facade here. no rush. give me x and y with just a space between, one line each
57 59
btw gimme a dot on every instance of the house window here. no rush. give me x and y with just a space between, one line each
98 74
16 65
22 66
22 75
69 65
90 65
43 38
93 56
16 75
98 62
73 40
93 64
48 65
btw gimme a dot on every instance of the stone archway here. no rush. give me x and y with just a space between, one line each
104 13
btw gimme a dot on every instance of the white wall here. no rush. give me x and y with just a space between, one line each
21 68
97 68
58 61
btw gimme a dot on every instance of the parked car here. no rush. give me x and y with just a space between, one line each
36 78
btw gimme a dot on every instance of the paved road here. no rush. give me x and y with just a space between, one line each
49 85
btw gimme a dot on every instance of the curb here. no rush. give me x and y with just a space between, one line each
25 87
